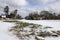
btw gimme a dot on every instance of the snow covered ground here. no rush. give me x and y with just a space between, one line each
51 23
4 33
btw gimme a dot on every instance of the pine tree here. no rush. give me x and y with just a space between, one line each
6 10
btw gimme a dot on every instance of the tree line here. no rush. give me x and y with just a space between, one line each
43 15
12 14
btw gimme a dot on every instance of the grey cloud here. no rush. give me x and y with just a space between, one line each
44 2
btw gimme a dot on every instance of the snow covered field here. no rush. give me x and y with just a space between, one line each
4 33
51 23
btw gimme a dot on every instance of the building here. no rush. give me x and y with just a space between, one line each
3 16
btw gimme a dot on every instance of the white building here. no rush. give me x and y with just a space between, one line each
3 16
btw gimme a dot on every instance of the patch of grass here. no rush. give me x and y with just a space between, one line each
22 24
10 21
44 34
19 28
15 27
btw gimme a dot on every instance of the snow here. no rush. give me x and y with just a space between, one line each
52 38
4 33
51 23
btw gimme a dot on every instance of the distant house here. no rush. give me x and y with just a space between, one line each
3 16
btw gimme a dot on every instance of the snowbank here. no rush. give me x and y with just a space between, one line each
4 33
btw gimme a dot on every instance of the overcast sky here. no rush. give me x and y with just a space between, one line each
26 6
